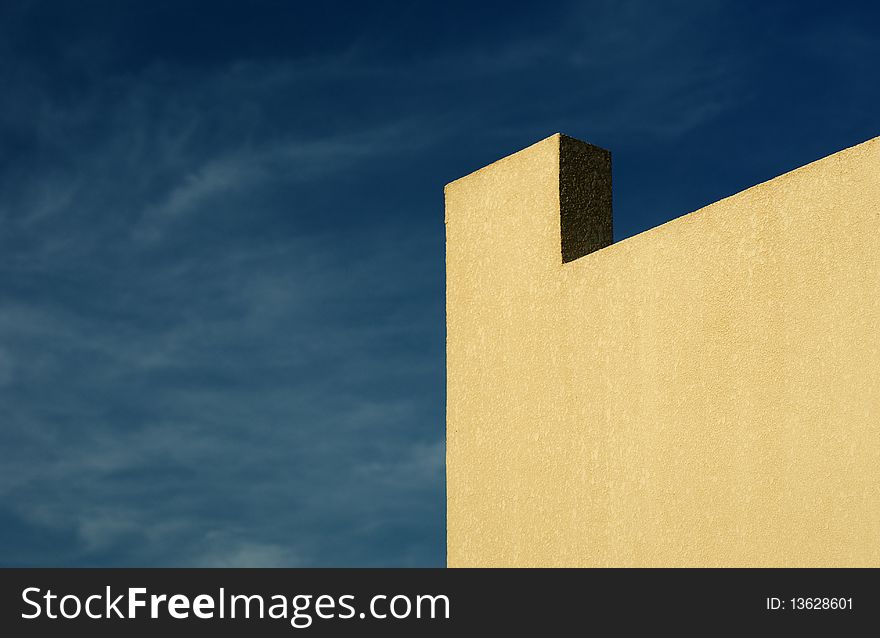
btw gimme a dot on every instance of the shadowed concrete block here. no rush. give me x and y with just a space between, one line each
706 393
584 198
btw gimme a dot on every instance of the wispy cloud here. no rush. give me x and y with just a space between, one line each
180 386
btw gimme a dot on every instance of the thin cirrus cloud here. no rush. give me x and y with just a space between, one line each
251 400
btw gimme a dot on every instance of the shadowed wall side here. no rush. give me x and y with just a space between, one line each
706 393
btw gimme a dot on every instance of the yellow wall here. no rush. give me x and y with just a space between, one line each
706 393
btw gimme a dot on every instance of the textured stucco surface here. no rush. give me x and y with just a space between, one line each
706 393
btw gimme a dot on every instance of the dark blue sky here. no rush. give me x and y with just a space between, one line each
221 239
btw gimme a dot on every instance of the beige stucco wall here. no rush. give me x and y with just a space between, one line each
706 393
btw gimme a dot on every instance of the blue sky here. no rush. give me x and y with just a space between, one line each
221 239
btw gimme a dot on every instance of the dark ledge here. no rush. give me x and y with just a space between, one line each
584 198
